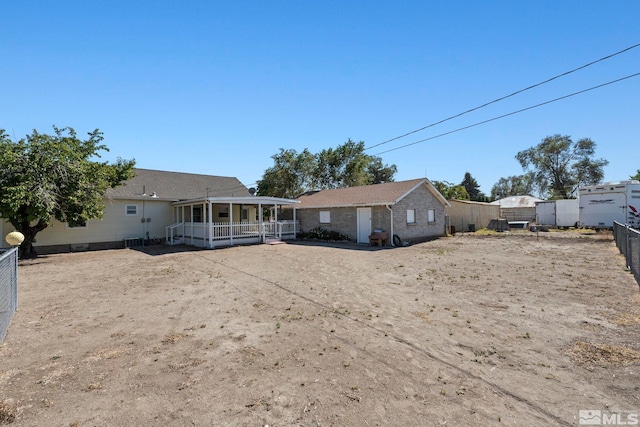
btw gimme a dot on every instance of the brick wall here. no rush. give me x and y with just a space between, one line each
344 220
421 199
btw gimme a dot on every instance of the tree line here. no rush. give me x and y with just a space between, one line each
553 169
294 173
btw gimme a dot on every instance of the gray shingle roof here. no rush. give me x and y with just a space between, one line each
177 186
376 194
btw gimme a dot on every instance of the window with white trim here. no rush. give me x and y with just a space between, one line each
244 214
431 215
411 216
325 217
131 210
197 214
223 211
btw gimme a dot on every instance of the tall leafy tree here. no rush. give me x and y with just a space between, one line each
347 165
291 174
380 173
473 188
516 185
46 177
451 191
561 165
636 176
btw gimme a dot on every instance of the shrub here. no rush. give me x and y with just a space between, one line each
320 233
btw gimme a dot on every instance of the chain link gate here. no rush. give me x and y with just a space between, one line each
8 288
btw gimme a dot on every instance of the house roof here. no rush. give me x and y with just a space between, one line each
517 202
469 202
177 186
367 195
250 200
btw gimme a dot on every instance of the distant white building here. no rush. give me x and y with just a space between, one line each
517 208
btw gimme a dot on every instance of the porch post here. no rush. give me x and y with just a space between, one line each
181 209
295 233
278 231
231 223
210 224
191 210
260 222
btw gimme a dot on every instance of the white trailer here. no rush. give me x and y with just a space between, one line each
600 205
558 213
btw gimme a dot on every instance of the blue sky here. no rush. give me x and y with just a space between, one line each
219 87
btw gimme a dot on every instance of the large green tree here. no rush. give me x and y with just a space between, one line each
451 191
561 165
636 176
347 165
516 185
46 177
291 174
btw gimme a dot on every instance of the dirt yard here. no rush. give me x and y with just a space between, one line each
466 330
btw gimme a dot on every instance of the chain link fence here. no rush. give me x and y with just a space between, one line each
8 288
628 243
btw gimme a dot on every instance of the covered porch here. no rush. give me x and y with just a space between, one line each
226 221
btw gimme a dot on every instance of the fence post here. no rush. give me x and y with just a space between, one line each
628 254
15 279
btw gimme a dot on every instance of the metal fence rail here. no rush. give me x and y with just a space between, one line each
628 243
8 288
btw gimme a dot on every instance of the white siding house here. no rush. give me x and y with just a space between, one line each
146 207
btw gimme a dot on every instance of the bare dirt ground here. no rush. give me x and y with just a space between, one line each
465 330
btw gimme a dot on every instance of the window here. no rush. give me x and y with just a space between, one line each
197 214
325 217
244 214
130 210
431 215
411 216
223 211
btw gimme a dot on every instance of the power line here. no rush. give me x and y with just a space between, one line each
504 97
510 114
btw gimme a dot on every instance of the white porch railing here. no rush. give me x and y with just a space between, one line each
174 233
224 233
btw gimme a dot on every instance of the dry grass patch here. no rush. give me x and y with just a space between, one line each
590 354
173 338
626 319
94 386
8 411
105 354
422 315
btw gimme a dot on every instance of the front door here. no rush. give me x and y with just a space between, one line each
364 224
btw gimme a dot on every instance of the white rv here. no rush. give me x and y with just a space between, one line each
600 205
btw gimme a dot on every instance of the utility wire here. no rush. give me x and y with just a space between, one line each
504 97
510 114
